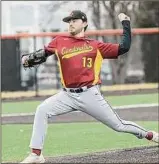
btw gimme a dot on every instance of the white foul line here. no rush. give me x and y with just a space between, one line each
136 106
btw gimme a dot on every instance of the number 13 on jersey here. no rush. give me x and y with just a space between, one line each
87 62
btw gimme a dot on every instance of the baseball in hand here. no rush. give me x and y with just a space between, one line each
123 17
24 59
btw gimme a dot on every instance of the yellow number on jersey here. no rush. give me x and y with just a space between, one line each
87 62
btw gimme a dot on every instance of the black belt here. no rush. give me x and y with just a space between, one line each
77 90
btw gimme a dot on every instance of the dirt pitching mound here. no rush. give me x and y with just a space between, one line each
133 155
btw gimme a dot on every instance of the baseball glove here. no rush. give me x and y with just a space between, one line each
33 59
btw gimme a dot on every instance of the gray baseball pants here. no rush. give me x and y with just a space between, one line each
91 102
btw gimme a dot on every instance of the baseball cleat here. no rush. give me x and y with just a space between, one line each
34 158
153 136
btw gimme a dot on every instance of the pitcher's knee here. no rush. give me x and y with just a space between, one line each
119 128
41 111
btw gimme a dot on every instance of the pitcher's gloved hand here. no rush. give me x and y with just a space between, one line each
32 59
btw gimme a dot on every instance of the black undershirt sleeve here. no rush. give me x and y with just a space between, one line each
125 43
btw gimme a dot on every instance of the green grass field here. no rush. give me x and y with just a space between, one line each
70 138
30 106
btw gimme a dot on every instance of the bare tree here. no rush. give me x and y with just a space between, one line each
111 10
96 18
147 16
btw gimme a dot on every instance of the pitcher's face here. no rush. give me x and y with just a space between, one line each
76 26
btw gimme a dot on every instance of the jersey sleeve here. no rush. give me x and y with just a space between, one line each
108 50
51 47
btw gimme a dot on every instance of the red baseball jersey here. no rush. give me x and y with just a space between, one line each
80 59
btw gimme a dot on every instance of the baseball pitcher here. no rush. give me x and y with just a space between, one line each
80 60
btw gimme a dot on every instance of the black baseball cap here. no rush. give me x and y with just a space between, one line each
76 14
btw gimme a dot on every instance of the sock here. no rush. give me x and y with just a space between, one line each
149 136
36 151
